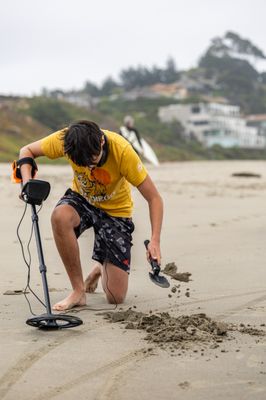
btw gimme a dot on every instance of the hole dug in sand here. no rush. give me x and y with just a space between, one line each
183 332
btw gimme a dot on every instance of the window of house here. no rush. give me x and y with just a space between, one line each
195 109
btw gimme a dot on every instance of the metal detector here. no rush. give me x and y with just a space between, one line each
34 192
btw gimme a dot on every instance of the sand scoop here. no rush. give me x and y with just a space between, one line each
155 276
34 192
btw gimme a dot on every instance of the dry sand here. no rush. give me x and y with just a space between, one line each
202 338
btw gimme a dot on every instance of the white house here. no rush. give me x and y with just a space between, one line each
214 123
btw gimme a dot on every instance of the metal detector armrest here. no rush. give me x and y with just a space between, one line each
35 191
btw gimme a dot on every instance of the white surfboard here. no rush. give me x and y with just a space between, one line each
146 151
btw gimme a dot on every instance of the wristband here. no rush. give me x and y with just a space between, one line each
16 172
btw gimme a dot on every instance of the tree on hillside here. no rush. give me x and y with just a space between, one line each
143 76
91 89
232 45
243 46
228 61
108 86
170 74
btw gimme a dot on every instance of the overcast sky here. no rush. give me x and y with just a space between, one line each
63 43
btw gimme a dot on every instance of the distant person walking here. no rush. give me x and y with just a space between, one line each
131 134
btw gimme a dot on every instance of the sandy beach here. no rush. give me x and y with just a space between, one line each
214 228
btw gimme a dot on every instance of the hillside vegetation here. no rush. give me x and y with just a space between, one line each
16 129
27 120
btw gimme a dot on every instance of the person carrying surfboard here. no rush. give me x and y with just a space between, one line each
104 165
140 145
130 133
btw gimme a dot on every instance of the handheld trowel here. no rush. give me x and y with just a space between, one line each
155 274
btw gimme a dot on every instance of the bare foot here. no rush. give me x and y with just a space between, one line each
91 282
75 299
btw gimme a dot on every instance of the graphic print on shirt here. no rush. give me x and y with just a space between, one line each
94 187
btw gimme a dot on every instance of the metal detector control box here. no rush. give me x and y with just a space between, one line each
35 191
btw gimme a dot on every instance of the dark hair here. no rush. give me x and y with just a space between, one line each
82 142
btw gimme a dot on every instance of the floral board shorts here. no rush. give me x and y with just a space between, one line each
113 235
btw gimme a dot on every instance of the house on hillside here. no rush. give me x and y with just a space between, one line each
173 90
144 91
77 98
214 123
179 90
196 82
258 121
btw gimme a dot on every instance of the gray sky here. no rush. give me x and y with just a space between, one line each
63 43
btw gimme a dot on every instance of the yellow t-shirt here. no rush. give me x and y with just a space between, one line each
105 187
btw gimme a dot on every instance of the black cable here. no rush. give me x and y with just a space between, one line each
27 262
105 267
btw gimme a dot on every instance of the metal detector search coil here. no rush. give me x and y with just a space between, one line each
54 321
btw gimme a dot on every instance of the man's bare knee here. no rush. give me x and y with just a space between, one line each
55 217
63 218
57 220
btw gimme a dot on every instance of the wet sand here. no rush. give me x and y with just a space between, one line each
215 230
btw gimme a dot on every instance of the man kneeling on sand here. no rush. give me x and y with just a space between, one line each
103 165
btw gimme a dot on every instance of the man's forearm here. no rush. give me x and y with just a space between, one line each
25 168
156 217
151 194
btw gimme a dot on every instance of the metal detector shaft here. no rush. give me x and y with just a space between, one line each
42 266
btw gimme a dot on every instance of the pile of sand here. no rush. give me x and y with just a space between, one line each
178 332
